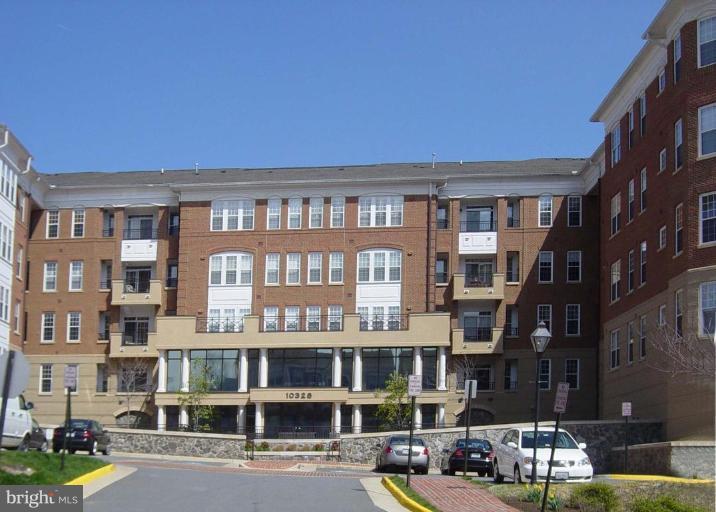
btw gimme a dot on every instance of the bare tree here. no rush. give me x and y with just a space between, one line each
682 354
464 367
135 377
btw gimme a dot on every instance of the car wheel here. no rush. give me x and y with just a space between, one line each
72 451
517 477
443 471
93 448
498 477
107 450
24 444
481 473
451 472
43 446
55 450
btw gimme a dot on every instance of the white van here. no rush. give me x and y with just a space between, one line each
18 423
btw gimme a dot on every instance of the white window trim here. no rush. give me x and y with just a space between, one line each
549 375
44 278
615 135
679 208
268 216
371 265
39 385
223 256
289 268
550 315
698 129
580 267
310 212
700 220
225 215
663 153
579 373
614 349
278 269
643 187
47 224
79 328
330 267
698 42
309 268
82 276
300 212
579 225
663 245
388 211
539 211
661 81
551 267
42 327
74 222
680 123
701 331
579 321
343 211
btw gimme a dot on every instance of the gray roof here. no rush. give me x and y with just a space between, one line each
352 173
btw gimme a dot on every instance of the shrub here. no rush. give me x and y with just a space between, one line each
318 447
291 448
264 446
661 504
594 498
533 493
554 502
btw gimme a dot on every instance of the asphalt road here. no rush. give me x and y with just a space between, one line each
160 489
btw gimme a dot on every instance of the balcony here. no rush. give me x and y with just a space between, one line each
478 237
415 329
479 340
139 245
136 344
138 294
489 287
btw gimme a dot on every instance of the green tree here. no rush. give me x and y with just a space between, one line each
394 412
201 383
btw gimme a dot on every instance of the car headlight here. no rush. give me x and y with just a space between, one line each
528 461
584 462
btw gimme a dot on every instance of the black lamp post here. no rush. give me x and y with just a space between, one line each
540 339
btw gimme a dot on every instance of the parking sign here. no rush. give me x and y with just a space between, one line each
70 376
415 385
560 399
626 408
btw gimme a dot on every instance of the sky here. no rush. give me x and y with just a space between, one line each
131 85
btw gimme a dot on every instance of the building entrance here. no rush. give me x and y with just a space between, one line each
298 421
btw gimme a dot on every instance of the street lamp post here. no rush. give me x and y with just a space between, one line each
540 339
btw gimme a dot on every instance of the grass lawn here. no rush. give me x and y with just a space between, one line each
400 482
46 467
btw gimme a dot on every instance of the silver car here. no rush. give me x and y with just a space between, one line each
393 454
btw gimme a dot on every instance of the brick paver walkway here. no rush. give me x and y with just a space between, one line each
457 495
270 464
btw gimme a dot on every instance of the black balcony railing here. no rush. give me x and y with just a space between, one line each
512 276
105 284
477 334
108 232
484 280
511 385
384 323
307 323
171 282
138 337
103 335
140 286
443 224
477 226
219 324
513 222
441 277
512 331
140 234
485 385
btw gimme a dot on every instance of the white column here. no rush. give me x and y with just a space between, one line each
442 369
185 370
162 372
337 417
241 419
183 416
243 370
161 418
337 368
263 368
417 361
259 418
441 415
418 417
357 419
357 374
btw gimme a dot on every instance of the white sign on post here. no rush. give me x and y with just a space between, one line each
70 377
415 385
626 408
560 399
470 389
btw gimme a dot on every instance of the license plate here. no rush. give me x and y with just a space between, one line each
474 455
561 475
404 452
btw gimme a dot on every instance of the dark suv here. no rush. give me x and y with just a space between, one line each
86 435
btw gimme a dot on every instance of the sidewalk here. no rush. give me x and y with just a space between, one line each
457 495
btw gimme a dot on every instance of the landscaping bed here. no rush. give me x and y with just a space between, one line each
400 484
15 467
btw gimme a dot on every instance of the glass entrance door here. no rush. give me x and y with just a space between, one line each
479 218
298 421
139 227
136 279
478 326
478 273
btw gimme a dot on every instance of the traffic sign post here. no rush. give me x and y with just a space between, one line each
470 393
14 374
626 413
415 387
560 406
70 382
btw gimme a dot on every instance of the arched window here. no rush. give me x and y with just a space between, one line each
379 266
230 269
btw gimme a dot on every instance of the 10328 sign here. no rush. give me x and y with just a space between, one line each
299 396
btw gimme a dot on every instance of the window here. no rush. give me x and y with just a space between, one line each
315 262
131 381
642 190
545 374
5 304
291 318
512 321
707 308
373 262
513 213
661 320
677 57
630 117
616 210
18 262
545 211
233 215
293 268
707 130
21 208
574 266
335 317
630 343
630 271
335 267
107 223
45 378
273 215
338 206
48 327
316 212
662 80
642 114
50 279
544 314
630 201
73 326
513 267
102 383
574 320
614 350
78 223
662 160
5 242
574 211
545 266
679 312
662 237
642 263
441 269
295 205
678 144
76 271
272 267
53 223
173 227
16 318
642 337
616 280
616 144
571 373
380 211
172 274
313 318
230 269
707 41
270 318
678 229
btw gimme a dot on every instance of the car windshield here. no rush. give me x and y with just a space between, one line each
404 440
544 440
475 444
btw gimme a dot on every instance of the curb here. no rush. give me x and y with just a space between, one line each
660 478
92 475
399 495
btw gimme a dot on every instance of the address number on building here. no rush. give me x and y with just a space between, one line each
299 396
